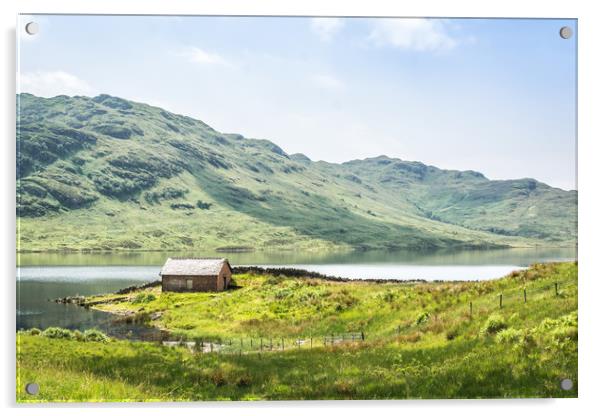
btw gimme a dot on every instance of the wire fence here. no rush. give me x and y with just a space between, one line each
501 299
485 305
260 345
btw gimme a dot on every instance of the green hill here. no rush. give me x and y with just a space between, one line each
105 173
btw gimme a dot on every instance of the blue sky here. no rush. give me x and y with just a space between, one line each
496 96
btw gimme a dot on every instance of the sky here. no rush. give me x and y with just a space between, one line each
496 96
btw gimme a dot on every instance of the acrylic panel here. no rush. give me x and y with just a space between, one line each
295 208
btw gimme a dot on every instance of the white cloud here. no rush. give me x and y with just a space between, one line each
413 34
326 27
199 56
327 81
53 83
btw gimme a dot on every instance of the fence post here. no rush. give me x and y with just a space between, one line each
363 337
470 308
331 339
525 295
270 344
211 347
282 343
261 344
501 297
241 343
556 288
311 343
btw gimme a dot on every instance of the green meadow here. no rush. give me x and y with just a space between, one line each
421 340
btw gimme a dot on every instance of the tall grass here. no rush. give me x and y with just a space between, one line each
520 350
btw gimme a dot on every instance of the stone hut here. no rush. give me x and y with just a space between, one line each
195 275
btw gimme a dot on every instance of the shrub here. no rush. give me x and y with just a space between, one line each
78 335
422 318
55 332
388 296
561 329
117 132
94 335
153 197
203 205
494 324
452 334
274 280
509 336
218 377
342 300
564 333
244 381
144 298
35 331
283 294
182 205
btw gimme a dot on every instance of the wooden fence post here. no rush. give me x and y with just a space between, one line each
501 297
311 342
556 288
525 295
282 343
470 308
363 337
261 344
270 344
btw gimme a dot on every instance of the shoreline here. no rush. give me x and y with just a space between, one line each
293 249
123 306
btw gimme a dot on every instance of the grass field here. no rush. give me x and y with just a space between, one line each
421 341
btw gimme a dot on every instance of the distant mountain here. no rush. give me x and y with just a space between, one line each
105 173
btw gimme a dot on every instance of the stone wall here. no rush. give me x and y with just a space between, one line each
198 284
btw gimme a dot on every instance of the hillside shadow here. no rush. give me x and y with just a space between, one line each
321 218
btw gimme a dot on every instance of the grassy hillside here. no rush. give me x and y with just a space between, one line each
421 341
105 173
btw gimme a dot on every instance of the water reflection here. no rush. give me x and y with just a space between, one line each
35 308
514 256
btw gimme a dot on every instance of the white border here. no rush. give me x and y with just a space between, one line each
590 94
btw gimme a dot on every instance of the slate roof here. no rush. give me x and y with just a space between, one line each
193 267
